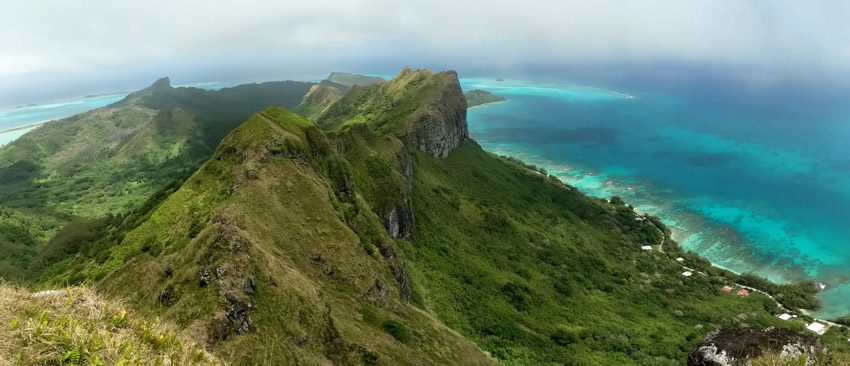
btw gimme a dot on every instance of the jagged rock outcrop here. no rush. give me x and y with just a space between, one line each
427 110
439 126
424 110
736 347
401 220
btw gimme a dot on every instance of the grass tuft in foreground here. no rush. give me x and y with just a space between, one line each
73 326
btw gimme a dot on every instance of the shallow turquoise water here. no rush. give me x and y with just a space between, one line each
755 182
27 115
9 136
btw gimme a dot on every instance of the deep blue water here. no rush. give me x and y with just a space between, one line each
754 180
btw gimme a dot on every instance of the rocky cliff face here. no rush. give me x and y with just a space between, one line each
422 110
440 125
736 347
425 109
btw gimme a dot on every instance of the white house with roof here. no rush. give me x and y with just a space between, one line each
817 328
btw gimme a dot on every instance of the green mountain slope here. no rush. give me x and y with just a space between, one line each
537 273
264 258
329 91
109 160
318 100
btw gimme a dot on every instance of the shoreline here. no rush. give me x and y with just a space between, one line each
487 104
676 234
780 305
682 233
12 129
787 309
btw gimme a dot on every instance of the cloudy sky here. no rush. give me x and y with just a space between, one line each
54 48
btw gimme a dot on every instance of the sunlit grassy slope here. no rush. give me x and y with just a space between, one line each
74 326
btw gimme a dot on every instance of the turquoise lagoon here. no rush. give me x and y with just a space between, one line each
16 121
755 181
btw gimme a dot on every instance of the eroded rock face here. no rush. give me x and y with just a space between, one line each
230 272
440 126
736 347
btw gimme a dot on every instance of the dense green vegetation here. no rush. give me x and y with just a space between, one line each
537 273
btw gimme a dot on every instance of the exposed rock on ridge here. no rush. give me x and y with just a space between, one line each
736 347
425 109
439 126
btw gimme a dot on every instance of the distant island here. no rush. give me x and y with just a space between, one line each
478 97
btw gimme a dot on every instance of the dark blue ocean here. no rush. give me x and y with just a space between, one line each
754 179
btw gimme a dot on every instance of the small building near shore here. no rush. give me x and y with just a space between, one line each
687 273
646 247
785 316
817 328
743 292
726 289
